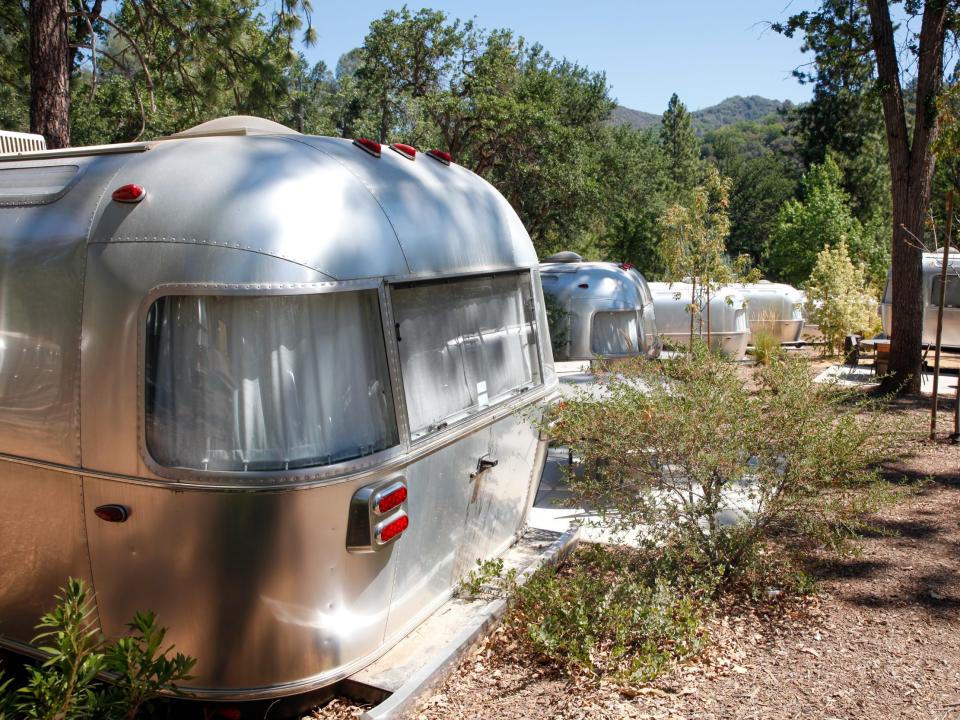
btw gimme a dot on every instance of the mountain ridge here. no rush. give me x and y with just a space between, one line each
734 109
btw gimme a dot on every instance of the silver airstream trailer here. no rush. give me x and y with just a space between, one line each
598 309
264 384
729 326
932 269
774 308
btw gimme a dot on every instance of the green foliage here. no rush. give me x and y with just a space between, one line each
507 110
693 243
67 683
558 320
686 446
680 145
488 580
823 217
766 347
838 299
601 615
759 158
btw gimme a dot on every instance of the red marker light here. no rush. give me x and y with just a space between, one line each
370 146
392 498
626 266
389 531
112 513
444 157
408 151
129 193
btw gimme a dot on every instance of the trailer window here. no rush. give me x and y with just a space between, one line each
952 297
243 383
614 333
465 344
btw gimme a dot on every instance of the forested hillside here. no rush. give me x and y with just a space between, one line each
582 173
727 112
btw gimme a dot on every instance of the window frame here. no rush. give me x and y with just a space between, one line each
456 422
607 311
279 477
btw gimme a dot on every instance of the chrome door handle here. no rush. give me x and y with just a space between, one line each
484 463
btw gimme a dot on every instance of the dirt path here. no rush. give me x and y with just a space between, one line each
881 639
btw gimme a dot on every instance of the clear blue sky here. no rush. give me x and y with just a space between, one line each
704 50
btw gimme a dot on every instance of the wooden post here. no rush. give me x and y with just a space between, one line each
942 299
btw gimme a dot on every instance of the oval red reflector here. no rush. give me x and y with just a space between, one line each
371 146
391 500
444 157
393 528
129 193
408 151
112 513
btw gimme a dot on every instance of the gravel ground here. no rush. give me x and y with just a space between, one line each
881 639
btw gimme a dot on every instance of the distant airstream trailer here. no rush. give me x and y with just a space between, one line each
729 326
932 267
774 308
264 384
600 309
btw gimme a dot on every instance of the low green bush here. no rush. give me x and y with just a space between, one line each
601 615
716 464
68 684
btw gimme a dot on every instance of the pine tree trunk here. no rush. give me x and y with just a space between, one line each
909 207
49 73
911 174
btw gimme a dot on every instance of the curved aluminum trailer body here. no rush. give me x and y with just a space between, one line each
775 308
729 326
601 310
932 267
293 368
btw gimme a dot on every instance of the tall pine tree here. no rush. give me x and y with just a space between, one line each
680 146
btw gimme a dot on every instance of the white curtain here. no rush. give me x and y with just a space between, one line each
464 344
267 383
614 333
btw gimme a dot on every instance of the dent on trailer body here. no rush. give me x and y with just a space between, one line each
729 325
932 268
249 567
602 309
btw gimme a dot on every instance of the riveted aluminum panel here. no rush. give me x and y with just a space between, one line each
446 218
42 249
273 196
458 516
43 544
259 587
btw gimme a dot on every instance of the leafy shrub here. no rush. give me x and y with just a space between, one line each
67 684
715 467
838 300
602 615
766 347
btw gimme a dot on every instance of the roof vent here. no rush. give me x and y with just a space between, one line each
566 256
13 143
234 125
